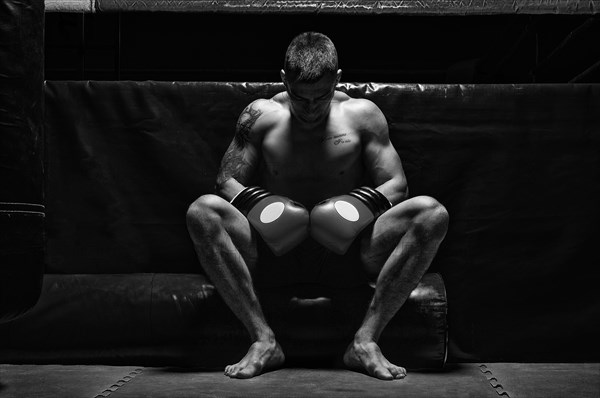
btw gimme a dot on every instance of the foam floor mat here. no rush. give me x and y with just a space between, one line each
506 380
461 381
548 380
41 381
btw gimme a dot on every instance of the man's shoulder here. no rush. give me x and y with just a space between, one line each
263 112
361 106
265 105
365 114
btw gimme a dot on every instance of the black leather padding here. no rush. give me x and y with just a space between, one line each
349 7
179 319
21 155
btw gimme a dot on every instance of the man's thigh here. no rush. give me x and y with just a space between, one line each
380 239
235 224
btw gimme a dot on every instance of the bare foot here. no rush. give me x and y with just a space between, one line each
261 357
366 356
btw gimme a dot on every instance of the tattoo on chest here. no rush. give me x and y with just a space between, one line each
337 139
244 125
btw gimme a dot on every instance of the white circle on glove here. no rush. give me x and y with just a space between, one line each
346 210
271 212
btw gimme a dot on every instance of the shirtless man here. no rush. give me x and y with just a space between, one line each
310 143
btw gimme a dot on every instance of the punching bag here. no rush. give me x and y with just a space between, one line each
21 155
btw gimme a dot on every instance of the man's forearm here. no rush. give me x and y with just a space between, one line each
228 189
394 190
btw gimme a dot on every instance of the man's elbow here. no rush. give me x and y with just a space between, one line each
227 188
219 188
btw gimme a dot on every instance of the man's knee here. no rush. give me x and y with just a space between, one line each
431 218
205 214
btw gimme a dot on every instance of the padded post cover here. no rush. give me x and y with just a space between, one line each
21 155
351 7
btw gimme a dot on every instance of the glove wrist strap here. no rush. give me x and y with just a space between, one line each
249 197
373 199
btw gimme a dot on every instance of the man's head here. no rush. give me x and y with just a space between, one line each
310 74
309 57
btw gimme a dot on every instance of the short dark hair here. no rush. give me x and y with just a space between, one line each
309 57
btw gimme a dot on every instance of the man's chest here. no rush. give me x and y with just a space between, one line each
321 154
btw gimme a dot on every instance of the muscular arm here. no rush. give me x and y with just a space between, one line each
240 161
380 157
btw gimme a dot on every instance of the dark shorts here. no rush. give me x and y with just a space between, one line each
309 264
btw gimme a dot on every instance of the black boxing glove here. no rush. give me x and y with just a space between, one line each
337 221
281 222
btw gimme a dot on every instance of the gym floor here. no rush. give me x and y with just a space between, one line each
510 380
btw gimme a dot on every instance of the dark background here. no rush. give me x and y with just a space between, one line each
523 155
547 48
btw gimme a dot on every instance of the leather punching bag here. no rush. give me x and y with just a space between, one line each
21 155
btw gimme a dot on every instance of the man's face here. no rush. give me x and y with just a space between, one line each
311 102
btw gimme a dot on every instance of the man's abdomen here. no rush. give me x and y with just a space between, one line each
310 191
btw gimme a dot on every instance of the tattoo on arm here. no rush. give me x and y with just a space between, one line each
244 125
234 165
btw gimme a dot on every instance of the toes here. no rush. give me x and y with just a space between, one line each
232 370
397 372
383 373
247 372
394 371
403 372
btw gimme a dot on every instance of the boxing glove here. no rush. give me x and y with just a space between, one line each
337 221
281 222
